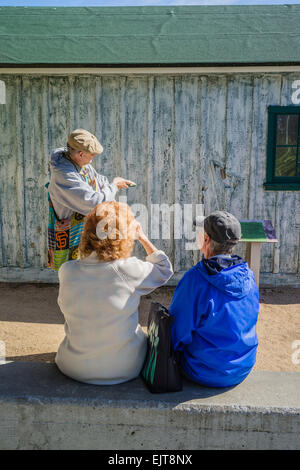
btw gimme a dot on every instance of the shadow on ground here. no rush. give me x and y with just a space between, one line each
37 303
44 357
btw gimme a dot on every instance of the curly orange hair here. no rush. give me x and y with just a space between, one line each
116 220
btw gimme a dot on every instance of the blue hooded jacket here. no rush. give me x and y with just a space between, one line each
215 308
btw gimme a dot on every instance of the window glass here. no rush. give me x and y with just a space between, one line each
287 129
285 163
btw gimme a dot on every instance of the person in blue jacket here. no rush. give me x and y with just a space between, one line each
215 309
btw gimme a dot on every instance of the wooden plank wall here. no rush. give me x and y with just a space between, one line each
184 139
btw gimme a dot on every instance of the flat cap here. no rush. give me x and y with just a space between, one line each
83 140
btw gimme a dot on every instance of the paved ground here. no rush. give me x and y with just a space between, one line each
31 324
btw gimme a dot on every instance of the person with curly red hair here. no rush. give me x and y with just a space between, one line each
99 295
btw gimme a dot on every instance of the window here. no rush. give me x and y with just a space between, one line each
283 152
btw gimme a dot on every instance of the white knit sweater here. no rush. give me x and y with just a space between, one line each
104 343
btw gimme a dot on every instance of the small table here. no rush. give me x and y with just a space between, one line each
254 233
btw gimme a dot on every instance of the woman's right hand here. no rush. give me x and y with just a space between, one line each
139 233
143 239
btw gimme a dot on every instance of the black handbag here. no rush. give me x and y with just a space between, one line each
160 371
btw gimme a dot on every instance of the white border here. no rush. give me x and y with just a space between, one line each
145 70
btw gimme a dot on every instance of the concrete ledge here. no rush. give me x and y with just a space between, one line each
40 408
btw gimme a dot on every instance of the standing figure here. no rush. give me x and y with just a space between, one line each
75 189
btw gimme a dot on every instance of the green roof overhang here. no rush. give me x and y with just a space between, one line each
150 36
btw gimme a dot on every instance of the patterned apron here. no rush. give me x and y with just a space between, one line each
64 235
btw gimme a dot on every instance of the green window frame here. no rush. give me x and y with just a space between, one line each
283 148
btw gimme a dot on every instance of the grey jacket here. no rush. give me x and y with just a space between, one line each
68 190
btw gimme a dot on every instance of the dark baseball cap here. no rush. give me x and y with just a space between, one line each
221 226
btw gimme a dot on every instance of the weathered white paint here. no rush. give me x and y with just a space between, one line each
187 189
183 138
261 204
288 204
2 93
